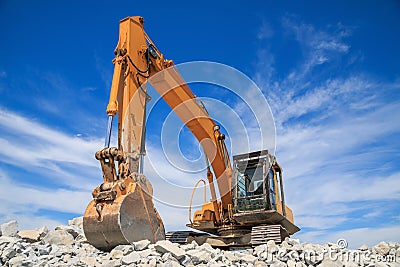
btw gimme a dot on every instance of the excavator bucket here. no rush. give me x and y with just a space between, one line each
122 210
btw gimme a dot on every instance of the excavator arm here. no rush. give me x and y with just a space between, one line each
137 61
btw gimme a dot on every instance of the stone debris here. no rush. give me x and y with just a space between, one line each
9 229
67 246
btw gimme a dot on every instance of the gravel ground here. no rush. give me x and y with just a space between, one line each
66 245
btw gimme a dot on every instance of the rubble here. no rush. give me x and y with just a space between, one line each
67 246
9 229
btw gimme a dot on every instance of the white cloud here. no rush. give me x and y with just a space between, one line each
39 197
23 202
55 161
30 145
336 139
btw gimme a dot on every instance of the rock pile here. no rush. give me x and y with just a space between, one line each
67 246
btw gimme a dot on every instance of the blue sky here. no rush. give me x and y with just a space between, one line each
330 73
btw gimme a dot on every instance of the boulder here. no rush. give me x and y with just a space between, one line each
382 248
30 236
141 245
59 238
164 246
17 261
131 258
72 230
78 222
9 228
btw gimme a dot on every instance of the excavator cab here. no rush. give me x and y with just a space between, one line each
257 183
258 198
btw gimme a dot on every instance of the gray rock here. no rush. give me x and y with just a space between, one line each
170 263
259 249
44 249
59 237
141 245
231 257
311 257
126 249
110 263
382 248
260 264
272 247
29 235
330 263
147 253
152 262
42 231
7 254
282 254
277 263
17 261
248 258
291 263
131 258
190 246
286 245
394 245
292 241
116 254
165 246
199 256
185 261
363 248
78 222
72 230
89 261
8 240
9 228
81 238
297 247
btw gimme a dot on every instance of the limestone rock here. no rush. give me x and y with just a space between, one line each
199 256
331 263
382 248
6 240
126 249
131 258
17 261
78 222
141 245
9 228
29 235
248 258
116 254
72 230
260 264
164 246
59 248
59 237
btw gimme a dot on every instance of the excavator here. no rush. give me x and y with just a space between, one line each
251 206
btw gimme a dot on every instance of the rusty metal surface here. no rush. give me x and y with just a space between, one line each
129 218
122 209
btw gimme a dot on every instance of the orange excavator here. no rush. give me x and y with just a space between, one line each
251 209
